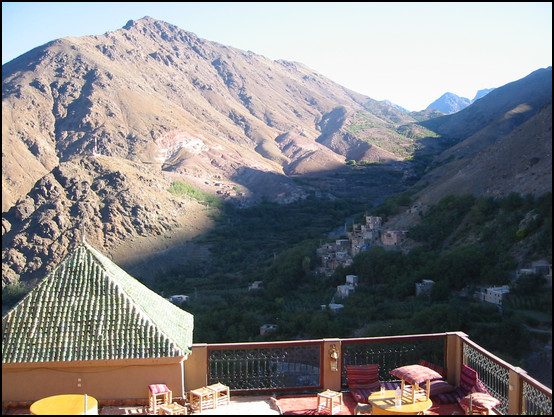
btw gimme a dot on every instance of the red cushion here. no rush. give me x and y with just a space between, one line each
434 367
468 378
440 387
361 395
415 374
480 387
448 397
480 401
362 376
158 388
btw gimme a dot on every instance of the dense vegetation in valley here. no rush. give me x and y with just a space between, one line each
461 243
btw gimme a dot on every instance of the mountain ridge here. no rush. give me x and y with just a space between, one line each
217 90
450 103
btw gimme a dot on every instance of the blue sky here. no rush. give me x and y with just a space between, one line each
408 53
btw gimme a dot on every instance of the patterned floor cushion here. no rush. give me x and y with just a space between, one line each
480 401
434 367
440 387
361 394
451 397
415 374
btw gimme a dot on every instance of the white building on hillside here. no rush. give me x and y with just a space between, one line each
495 295
344 291
352 280
424 287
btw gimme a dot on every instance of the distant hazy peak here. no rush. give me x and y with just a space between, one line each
482 93
449 103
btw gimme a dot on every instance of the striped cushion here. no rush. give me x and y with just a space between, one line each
479 387
415 374
391 384
439 387
362 376
451 397
158 388
361 394
468 378
480 401
434 367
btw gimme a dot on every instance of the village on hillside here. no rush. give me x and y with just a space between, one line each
341 253
362 237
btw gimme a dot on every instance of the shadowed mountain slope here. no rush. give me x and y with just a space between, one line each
503 144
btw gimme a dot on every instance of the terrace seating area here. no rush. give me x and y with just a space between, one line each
269 378
299 404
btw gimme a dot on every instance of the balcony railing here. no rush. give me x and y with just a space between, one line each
306 366
501 379
392 352
263 367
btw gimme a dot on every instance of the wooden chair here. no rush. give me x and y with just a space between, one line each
329 401
159 395
202 399
221 394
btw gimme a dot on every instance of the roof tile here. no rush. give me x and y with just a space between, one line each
88 308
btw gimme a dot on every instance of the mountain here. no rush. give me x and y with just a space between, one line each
502 143
449 103
95 130
506 107
481 93
396 106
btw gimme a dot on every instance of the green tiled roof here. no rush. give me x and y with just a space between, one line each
88 308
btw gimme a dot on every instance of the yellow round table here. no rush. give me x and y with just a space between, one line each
66 404
384 404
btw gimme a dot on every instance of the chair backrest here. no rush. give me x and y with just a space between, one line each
362 376
468 378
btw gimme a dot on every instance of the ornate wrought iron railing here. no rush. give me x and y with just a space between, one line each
498 378
535 401
492 374
304 366
266 367
392 352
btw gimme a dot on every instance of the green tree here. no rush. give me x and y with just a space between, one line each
12 294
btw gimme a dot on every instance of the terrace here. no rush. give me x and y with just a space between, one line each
257 371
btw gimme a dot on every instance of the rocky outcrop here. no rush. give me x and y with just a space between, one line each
101 197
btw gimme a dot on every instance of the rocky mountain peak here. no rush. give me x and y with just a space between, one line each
449 103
